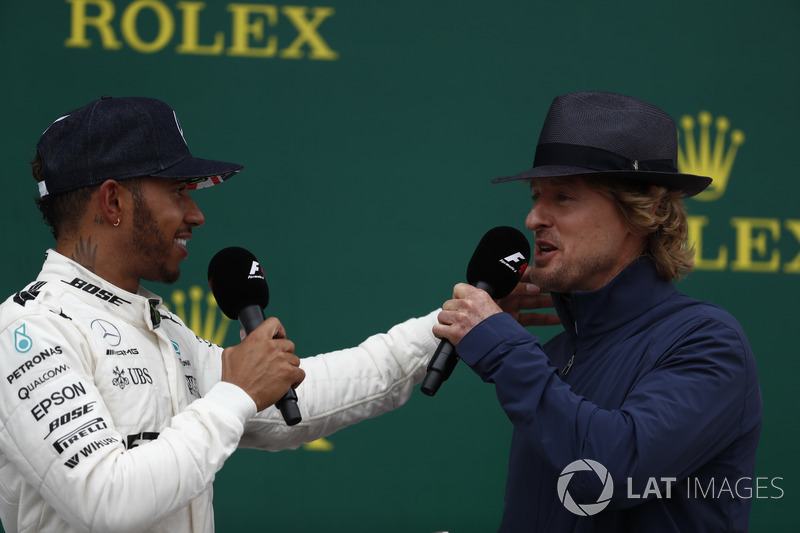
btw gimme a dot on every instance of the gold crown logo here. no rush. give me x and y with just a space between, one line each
206 328
704 160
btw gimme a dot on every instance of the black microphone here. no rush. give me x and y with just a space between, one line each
240 288
496 267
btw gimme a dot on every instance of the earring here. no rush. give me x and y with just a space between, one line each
117 223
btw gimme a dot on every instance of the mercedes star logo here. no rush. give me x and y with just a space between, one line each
107 331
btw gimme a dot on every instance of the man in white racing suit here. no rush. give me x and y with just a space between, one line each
114 416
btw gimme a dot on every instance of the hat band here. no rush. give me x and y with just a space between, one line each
573 155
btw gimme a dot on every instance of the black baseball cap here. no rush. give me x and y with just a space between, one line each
120 138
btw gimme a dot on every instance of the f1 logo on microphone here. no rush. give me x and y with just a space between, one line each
256 271
515 258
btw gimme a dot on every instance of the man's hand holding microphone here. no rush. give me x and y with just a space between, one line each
496 276
240 288
264 364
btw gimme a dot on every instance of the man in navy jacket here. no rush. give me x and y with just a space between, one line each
644 414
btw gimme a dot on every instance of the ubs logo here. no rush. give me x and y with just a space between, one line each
131 376
107 331
120 380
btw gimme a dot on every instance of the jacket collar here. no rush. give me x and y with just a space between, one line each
65 275
631 294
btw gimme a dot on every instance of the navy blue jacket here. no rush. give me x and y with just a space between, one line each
658 388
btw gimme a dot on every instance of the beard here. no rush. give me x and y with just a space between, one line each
150 244
585 274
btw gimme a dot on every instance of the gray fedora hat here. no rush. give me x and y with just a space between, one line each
591 133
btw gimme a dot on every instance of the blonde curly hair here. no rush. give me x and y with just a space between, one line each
658 214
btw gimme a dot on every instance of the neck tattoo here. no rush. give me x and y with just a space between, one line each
85 255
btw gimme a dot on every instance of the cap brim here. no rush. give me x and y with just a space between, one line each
206 171
688 183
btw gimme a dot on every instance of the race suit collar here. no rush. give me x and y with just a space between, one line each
66 275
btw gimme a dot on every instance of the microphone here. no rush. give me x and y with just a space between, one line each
240 288
496 267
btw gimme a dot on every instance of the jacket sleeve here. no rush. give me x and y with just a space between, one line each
56 430
678 416
347 386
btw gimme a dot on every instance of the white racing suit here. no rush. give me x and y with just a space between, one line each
113 416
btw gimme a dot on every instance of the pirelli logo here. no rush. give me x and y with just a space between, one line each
74 436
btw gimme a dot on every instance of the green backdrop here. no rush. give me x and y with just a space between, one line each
369 132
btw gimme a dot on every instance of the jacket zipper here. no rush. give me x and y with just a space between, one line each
568 366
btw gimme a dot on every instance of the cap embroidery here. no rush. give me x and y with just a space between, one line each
178 124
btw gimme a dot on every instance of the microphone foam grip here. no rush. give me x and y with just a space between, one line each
499 260
237 281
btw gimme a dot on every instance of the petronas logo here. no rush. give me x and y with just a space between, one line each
702 157
202 315
206 320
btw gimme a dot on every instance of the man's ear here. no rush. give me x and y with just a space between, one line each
114 201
